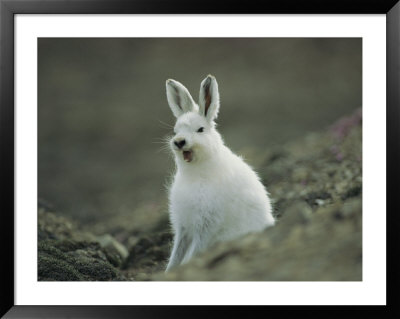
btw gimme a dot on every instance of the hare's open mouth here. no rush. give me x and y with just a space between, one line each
188 155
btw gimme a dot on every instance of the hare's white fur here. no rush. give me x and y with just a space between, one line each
215 196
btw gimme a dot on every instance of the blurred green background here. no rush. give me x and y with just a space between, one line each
102 103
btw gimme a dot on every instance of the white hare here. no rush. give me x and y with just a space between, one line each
215 196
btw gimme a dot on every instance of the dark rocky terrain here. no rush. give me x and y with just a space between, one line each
316 184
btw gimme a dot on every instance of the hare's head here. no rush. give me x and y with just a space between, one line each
195 138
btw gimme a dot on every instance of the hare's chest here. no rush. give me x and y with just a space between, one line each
195 203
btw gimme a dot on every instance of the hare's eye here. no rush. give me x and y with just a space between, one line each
200 130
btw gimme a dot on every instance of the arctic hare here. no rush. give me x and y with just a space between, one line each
215 196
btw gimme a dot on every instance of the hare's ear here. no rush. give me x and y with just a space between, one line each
179 99
209 98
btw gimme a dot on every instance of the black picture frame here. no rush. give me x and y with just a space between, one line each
8 10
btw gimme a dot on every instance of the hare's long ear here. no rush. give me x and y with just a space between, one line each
179 99
209 98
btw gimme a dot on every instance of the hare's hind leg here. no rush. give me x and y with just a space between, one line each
200 242
180 247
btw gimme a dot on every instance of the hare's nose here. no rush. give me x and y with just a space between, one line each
180 143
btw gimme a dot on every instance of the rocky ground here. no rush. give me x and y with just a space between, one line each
316 184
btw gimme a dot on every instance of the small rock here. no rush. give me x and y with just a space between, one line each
319 202
108 242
